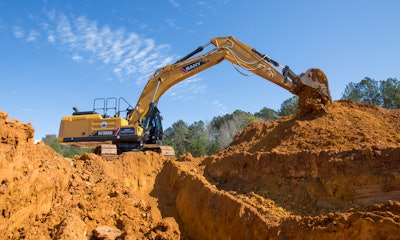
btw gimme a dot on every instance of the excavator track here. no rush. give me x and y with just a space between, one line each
166 151
111 149
106 150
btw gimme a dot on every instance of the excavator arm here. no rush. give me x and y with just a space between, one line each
313 83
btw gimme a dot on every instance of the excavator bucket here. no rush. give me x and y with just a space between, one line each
314 94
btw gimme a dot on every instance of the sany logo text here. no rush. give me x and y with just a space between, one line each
192 66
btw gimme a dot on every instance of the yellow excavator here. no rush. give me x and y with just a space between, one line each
141 128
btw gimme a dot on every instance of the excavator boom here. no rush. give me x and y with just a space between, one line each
243 56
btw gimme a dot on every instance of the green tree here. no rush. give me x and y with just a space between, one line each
390 93
351 93
67 151
197 136
224 129
267 114
51 141
177 137
289 106
366 91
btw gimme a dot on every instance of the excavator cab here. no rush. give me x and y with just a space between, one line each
153 131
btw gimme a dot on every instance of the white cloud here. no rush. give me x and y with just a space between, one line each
172 24
33 35
64 31
18 32
77 58
128 54
187 89
51 38
220 107
174 3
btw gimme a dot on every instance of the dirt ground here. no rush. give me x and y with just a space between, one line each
333 175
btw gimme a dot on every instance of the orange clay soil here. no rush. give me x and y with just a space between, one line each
332 175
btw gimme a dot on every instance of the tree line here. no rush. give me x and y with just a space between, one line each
200 138
385 93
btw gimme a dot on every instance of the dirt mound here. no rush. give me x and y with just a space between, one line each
46 196
346 126
318 176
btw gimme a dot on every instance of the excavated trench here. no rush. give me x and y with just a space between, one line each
332 175
266 196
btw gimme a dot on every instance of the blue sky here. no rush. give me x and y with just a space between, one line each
58 54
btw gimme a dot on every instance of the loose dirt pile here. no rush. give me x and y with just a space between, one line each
319 176
347 126
46 196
